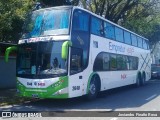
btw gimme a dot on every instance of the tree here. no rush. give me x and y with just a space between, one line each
144 20
11 18
115 10
140 16
51 3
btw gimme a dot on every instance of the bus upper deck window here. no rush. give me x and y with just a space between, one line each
81 21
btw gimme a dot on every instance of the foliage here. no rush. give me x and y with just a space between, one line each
12 14
50 3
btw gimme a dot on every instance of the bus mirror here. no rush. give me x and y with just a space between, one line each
65 47
8 51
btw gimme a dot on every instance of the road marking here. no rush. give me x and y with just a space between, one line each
153 96
114 119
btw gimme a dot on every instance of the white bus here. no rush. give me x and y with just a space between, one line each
67 52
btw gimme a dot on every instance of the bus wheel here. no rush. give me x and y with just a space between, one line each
143 80
93 89
138 81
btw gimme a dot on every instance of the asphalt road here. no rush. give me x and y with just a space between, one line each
145 98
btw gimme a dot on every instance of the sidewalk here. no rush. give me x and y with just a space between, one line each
9 97
7 93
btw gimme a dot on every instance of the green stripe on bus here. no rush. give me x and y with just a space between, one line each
45 92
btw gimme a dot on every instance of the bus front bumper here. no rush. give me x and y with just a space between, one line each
58 89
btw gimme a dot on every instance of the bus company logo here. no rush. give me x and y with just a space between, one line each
41 84
29 83
130 50
123 76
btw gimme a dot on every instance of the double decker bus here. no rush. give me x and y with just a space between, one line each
67 52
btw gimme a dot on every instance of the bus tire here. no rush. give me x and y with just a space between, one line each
94 88
138 80
143 79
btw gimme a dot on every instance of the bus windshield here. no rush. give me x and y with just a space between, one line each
47 22
42 59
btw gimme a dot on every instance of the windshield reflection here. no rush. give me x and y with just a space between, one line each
47 22
38 59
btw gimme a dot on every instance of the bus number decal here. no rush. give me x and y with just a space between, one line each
75 88
123 76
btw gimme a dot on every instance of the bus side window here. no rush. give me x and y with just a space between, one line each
134 40
81 21
119 34
148 47
127 62
109 30
139 42
105 61
98 63
101 62
97 26
127 37
113 62
121 62
76 60
133 63
144 44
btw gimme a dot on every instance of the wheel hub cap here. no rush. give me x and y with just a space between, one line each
92 89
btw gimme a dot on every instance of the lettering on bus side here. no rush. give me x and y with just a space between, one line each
116 48
123 76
